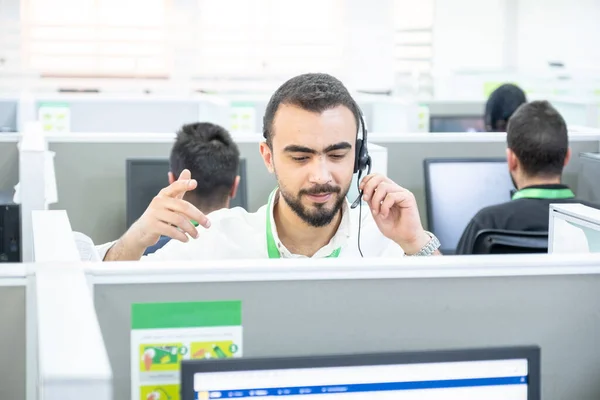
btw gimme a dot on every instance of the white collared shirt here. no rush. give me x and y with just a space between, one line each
236 233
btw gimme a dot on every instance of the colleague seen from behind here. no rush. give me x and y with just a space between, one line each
312 134
538 150
501 105
212 157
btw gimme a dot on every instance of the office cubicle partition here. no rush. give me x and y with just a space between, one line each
13 290
295 307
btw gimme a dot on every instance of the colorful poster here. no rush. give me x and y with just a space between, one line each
54 117
163 334
243 118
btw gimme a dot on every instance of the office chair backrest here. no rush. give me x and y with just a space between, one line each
498 241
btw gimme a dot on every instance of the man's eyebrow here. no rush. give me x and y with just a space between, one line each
294 148
338 146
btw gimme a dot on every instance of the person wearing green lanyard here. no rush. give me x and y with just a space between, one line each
538 150
315 141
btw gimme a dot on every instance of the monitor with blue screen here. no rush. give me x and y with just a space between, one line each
456 189
499 374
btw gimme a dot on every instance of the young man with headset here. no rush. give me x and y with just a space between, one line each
314 143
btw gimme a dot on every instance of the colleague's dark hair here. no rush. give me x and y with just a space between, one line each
212 157
501 105
537 134
312 92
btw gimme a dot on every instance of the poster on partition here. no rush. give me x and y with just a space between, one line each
164 334
54 117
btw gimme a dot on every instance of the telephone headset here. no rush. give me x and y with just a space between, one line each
362 162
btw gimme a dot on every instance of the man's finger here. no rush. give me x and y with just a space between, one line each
174 233
179 221
380 192
371 185
394 199
186 209
364 181
185 175
178 188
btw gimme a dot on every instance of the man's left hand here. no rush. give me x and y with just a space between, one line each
395 212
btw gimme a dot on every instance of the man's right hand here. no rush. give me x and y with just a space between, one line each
167 215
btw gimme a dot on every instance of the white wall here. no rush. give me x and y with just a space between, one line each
564 30
468 34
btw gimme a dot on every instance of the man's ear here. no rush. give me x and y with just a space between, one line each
267 155
512 160
171 178
234 188
567 157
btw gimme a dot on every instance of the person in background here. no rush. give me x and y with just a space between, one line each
210 154
501 105
313 145
538 150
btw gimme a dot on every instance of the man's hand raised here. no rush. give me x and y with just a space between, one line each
168 214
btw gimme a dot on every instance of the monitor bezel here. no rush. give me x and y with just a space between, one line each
426 171
531 353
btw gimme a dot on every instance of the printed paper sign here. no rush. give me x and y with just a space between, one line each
55 117
243 118
163 334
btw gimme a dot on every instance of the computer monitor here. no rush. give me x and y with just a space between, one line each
499 374
472 123
588 188
456 189
146 177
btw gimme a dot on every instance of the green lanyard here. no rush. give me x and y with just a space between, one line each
541 193
272 249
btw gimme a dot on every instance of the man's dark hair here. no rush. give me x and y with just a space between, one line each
501 105
311 92
212 157
537 134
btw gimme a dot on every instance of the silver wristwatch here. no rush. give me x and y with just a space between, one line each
429 248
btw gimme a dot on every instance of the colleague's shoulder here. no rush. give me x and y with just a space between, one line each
487 215
237 218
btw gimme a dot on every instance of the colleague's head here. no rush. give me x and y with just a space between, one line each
538 144
310 127
212 157
501 105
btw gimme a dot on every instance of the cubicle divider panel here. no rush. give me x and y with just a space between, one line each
558 313
12 342
92 186
405 161
9 164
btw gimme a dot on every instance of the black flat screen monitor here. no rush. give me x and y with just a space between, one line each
499 374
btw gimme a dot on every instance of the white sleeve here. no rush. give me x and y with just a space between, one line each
392 250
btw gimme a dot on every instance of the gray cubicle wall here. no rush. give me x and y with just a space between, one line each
91 176
91 182
8 115
9 164
558 313
128 115
12 342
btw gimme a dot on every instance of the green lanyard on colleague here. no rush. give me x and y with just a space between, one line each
544 193
272 249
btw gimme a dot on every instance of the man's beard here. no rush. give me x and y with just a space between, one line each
321 216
